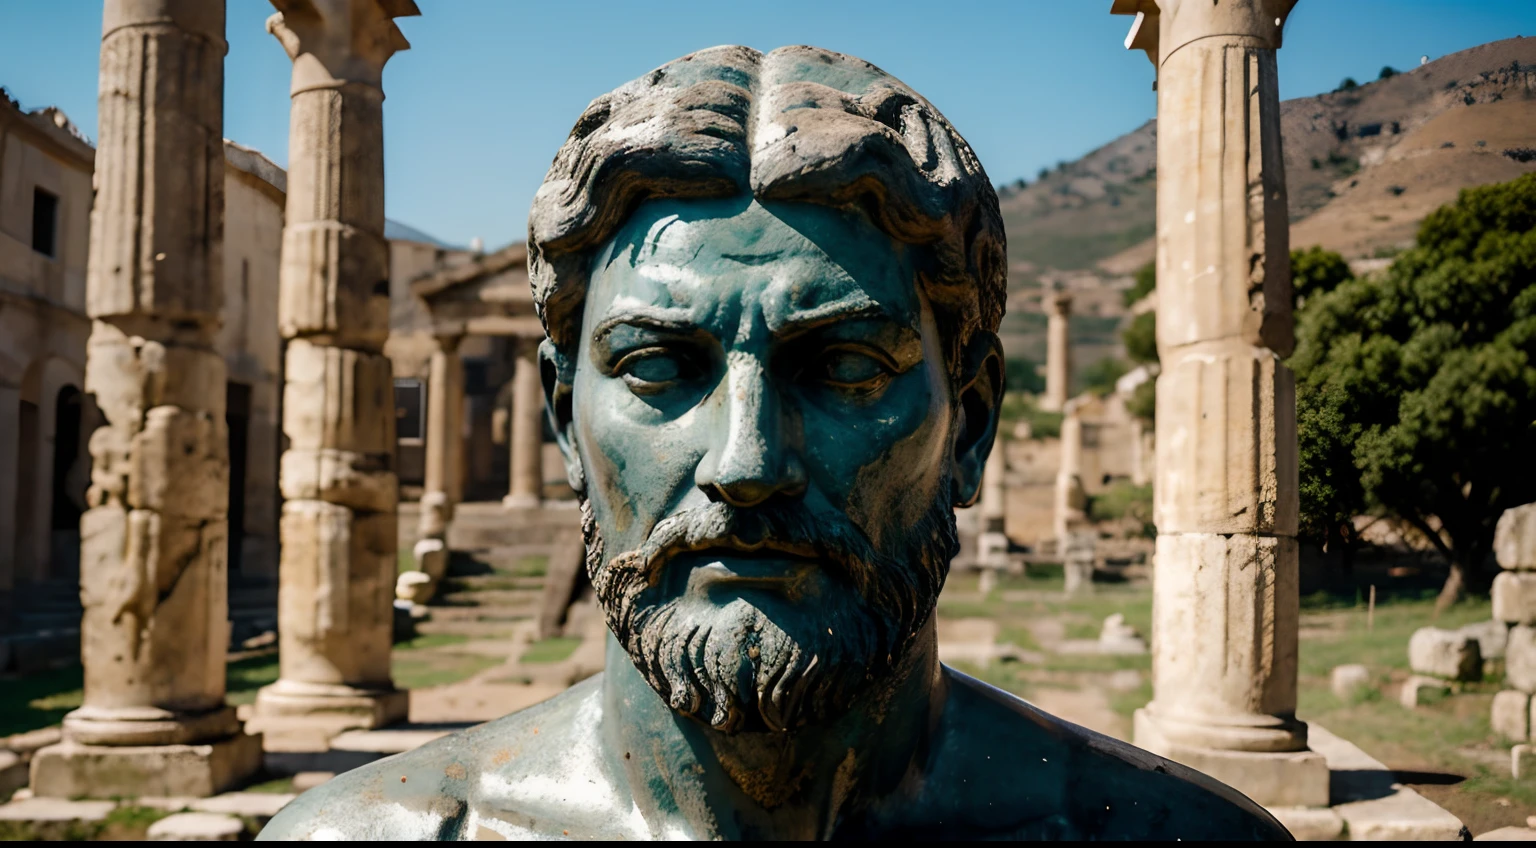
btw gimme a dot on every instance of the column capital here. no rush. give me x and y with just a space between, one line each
448 342
1057 302
336 42
1163 26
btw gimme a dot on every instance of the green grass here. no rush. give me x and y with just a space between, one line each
552 650
437 669
275 786
243 677
431 640
532 565
39 700
405 560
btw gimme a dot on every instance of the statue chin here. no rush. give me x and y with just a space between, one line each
762 659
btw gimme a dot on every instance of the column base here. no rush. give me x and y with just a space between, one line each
71 769
1271 779
288 706
521 502
148 726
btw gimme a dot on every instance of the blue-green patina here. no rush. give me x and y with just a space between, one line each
770 407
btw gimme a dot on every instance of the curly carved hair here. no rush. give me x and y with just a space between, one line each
796 124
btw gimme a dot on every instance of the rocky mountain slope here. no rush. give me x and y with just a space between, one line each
1363 167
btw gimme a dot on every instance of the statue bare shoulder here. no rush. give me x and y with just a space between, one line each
517 775
1026 774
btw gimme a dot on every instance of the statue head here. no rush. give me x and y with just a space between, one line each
771 285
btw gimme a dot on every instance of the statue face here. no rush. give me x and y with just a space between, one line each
763 418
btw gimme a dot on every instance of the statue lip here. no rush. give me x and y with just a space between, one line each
770 565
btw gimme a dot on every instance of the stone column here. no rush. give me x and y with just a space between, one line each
10 472
992 542
153 570
337 573
1141 439
1225 604
445 405
1058 352
527 441
1071 500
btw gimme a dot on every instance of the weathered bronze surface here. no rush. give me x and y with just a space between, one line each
772 285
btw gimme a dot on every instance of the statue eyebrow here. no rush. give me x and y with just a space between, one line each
803 320
655 318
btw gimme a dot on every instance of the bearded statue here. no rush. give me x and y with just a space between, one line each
771 285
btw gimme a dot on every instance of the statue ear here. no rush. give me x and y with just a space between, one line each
557 373
979 403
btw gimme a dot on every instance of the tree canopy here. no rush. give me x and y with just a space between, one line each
1416 392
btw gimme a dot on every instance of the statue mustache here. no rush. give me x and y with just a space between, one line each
788 528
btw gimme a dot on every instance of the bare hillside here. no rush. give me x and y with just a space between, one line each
1363 167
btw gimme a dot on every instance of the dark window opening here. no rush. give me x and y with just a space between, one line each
45 219
409 409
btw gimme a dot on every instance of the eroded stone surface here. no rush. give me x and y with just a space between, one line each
1447 654
1511 714
196 827
1520 658
1514 538
1349 681
1514 597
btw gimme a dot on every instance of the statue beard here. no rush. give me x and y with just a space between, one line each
738 667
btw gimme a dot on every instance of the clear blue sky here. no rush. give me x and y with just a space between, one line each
483 99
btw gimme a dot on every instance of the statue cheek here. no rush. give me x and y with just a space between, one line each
883 464
637 468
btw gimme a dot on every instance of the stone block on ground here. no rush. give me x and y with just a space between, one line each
1310 824
1511 714
1117 637
1522 762
13 773
1374 806
1520 658
1514 538
55 810
1349 681
1447 654
1492 638
307 780
1420 689
72 770
432 557
1512 833
251 805
417 587
197 827
1514 597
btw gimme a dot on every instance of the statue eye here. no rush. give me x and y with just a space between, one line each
652 369
850 369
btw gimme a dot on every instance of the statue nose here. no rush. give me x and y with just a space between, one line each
754 458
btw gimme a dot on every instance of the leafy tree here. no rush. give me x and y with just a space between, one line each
1022 375
1100 377
1140 338
1314 271
1387 72
1348 84
1420 387
1146 281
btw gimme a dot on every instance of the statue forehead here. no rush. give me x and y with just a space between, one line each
672 251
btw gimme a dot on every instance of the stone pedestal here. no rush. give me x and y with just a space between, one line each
527 441
1058 351
337 573
74 770
153 575
1225 605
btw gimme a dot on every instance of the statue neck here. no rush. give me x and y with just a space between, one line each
692 781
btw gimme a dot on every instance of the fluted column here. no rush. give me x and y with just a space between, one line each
445 405
337 573
1058 351
527 442
1225 604
153 570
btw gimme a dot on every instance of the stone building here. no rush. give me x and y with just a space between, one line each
46 168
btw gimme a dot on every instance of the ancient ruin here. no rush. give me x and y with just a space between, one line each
337 589
153 564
